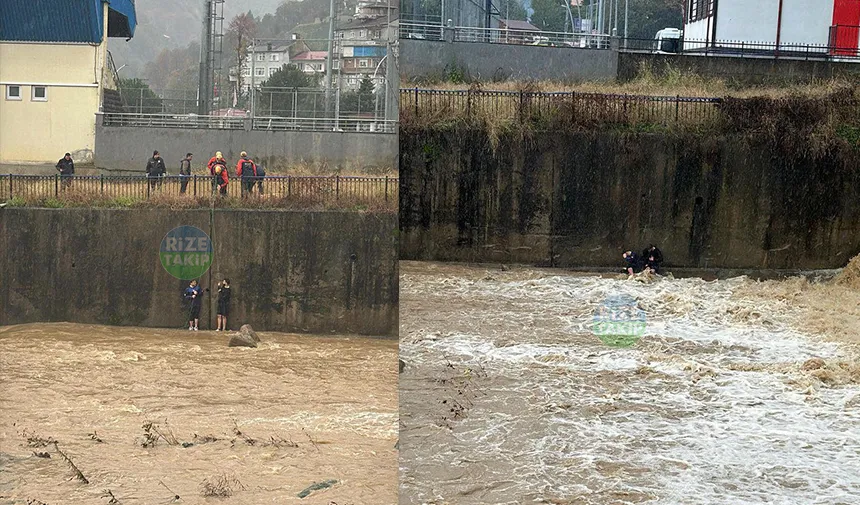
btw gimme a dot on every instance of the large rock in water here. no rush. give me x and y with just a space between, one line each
245 337
246 328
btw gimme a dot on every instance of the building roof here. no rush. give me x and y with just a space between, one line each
276 48
379 22
310 56
65 20
515 24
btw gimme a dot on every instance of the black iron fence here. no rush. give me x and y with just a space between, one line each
835 50
313 189
431 104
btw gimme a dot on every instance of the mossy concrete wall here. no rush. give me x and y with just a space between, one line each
581 199
315 272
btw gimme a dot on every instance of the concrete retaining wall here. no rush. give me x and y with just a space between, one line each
742 71
128 149
497 62
579 199
317 272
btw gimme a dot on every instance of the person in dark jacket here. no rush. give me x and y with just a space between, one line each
66 167
653 258
633 262
247 170
155 170
223 304
261 174
194 296
185 172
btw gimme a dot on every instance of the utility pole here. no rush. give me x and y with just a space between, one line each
328 62
203 87
253 77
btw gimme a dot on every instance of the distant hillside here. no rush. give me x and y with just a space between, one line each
173 24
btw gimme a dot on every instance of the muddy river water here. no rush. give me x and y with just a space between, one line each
508 397
258 424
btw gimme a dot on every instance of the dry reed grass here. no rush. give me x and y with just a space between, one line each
666 80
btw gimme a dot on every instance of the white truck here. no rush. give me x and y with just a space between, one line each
668 41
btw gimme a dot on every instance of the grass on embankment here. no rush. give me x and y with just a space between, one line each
177 202
667 80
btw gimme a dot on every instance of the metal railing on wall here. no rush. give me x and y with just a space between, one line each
348 189
742 49
266 123
439 31
583 107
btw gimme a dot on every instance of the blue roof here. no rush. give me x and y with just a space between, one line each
65 20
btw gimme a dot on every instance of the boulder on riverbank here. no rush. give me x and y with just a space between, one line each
245 337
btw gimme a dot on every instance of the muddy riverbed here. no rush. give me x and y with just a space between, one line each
508 396
260 425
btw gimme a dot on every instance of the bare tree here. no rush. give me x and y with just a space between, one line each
242 29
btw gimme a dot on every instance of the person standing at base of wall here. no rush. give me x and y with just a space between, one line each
155 170
223 304
194 295
247 170
185 172
66 167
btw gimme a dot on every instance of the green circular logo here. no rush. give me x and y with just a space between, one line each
186 252
619 322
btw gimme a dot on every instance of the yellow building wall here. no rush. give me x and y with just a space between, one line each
41 132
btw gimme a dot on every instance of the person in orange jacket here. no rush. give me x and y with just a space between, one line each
247 170
213 160
221 178
218 169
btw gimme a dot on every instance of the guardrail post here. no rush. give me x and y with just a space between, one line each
469 103
10 186
386 188
677 105
195 184
520 111
416 101
146 181
336 187
102 183
56 185
289 186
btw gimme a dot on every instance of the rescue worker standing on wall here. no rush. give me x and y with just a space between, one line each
220 179
66 167
247 170
155 170
218 159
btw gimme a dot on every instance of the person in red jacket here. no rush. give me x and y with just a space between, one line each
215 159
220 178
247 170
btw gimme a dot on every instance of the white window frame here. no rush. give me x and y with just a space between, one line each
261 57
33 96
335 65
9 95
363 64
272 71
361 34
260 72
274 57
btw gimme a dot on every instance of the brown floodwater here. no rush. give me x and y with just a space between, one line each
295 411
509 397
